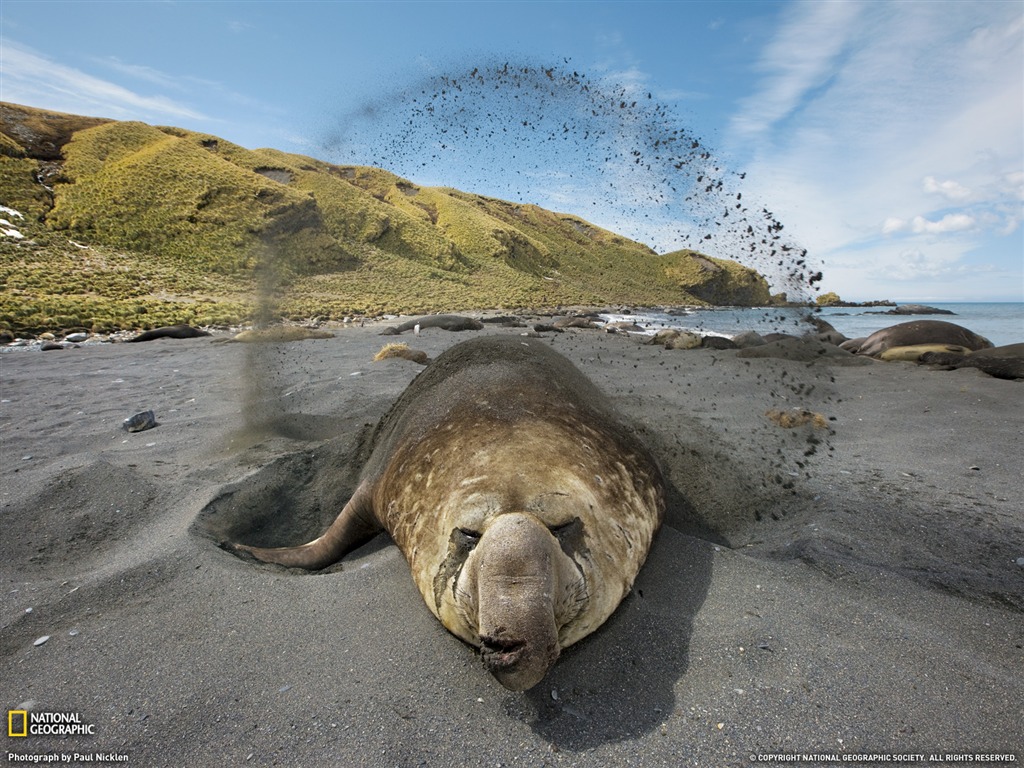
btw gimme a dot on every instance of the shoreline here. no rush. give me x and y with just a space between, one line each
654 316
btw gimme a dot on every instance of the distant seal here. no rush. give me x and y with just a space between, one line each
918 332
718 342
914 352
523 503
170 332
573 322
1005 362
277 334
445 322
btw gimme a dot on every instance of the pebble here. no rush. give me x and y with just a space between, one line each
1020 561
41 640
140 422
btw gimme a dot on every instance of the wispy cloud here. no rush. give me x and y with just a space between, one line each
803 57
31 78
185 84
889 134
140 72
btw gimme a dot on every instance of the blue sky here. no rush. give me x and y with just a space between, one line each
887 137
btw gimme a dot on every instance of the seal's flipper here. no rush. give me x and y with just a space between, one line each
355 525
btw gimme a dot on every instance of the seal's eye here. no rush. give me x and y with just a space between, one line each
565 528
467 538
570 536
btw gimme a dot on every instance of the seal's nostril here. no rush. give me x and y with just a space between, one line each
500 645
501 654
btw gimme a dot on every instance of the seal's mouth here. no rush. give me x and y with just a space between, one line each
501 654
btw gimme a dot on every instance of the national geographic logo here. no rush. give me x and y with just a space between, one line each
22 723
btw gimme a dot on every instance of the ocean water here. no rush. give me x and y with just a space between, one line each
999 322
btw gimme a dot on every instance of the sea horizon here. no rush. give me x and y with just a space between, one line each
1001 322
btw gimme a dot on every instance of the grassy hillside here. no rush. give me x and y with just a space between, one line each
127 225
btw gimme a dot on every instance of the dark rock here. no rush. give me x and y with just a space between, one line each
917 309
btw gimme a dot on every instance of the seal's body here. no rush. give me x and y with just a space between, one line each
445 322
523 503
921 332
170 332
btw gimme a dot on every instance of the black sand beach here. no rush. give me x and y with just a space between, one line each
850 590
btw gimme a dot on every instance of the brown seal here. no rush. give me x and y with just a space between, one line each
277 333
1005 362
444 322
170 332
523 503
918 332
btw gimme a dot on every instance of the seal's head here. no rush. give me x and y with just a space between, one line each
517 591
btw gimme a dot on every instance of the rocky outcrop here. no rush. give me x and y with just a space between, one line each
716 281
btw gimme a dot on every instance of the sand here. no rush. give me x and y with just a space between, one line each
839 591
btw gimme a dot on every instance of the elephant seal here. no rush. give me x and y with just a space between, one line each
573 322
170 332
913 352
523 503
671 338
918 332
276 334
1005 362
445 322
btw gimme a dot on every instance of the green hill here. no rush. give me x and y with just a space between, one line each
127 225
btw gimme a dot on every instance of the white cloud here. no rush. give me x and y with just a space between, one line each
949 189
899 135
953 222
894 224
29 78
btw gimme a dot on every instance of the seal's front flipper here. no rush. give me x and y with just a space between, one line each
354 526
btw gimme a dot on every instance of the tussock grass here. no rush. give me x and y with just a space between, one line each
184 227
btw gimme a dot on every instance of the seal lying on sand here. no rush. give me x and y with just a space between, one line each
277 333
920 332
170 332
913 353
1006 362
445 322
523 503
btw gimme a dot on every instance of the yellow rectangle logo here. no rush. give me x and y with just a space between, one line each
12 715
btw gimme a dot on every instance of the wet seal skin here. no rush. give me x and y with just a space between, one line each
524 504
